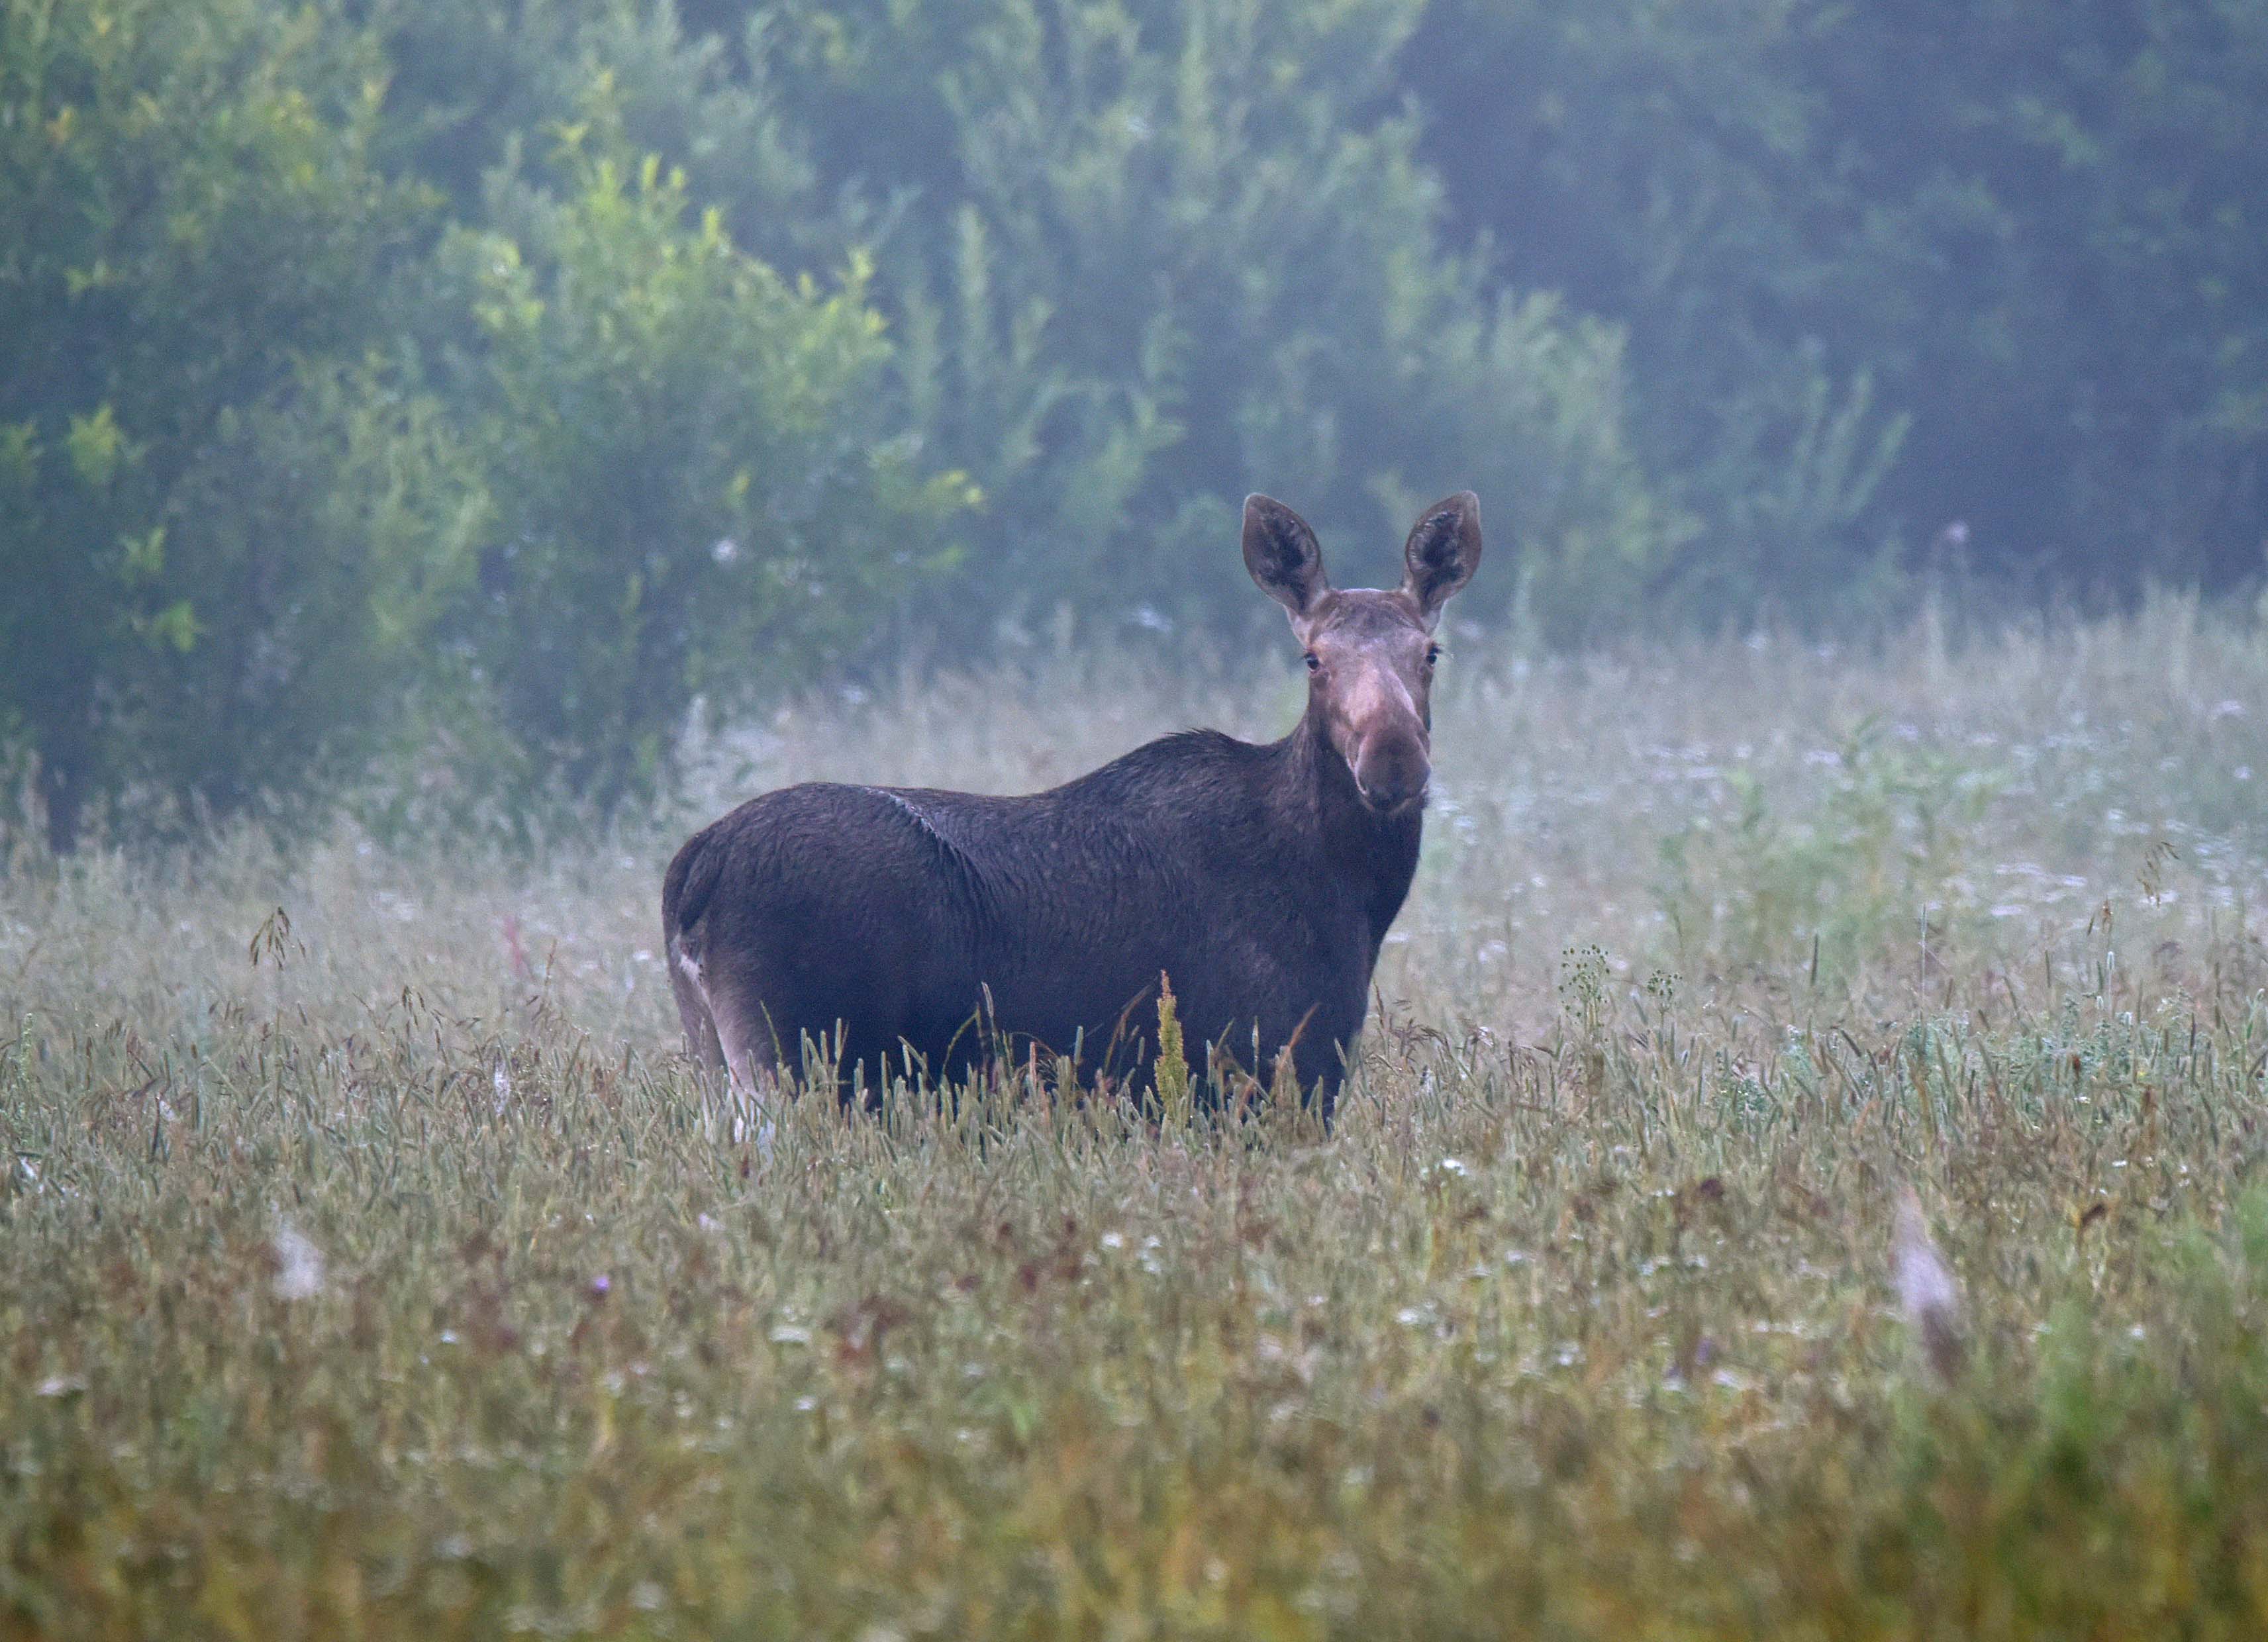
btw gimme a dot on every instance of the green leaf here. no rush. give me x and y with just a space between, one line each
176 626
146 554
98 448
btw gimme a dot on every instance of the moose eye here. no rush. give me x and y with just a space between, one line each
1433 654
1314 662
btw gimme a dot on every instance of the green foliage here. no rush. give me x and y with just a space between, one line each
691 495
191 223
1164 255
259 438
2019 251
375 373
474 90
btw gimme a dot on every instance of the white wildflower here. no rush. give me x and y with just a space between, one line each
1928 1293
299 1265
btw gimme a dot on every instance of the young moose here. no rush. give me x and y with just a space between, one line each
915 929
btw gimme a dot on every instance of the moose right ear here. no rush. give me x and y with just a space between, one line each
1443 551
1283 555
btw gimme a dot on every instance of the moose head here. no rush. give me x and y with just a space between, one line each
1370 652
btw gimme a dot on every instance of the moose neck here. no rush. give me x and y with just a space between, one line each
1374 854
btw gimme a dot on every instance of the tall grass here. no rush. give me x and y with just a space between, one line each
374 1268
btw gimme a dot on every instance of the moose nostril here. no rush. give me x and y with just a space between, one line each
1389 784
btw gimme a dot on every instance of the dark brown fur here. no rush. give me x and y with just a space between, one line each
918 929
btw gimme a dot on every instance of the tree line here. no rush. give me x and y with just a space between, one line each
472 388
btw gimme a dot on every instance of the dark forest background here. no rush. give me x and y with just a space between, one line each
471 388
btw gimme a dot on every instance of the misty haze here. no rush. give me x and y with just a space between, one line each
1213 1061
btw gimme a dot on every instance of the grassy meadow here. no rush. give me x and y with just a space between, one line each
1802 1179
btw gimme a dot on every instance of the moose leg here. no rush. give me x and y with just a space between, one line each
701 1041
721 1042
745 1039
752 1062
722 1031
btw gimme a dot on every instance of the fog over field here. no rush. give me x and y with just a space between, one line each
1800 1178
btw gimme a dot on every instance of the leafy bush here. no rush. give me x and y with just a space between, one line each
692 492
269 471
1159 255
192 226
378 373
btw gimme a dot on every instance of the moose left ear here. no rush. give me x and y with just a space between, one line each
1282 554
1443 552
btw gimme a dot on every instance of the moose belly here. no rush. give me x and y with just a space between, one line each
1099 1006
1244 996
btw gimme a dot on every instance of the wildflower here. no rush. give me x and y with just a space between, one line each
1928 1293
299 1265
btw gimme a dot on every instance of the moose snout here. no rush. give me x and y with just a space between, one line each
1392 775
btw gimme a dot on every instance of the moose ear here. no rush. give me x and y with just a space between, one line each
1282 554
1443 552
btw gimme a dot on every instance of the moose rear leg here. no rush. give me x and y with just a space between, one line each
701 1043
736 1053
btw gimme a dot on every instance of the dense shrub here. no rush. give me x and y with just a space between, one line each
691 490
1159 255
193 239
2015 253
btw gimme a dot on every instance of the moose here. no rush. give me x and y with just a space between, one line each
913 931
